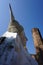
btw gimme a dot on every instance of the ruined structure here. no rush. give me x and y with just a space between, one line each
37 38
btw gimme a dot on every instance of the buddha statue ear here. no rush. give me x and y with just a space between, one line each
22 34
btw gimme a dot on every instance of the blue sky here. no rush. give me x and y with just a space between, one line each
29 13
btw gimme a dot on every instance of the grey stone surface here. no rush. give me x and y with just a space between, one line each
12 52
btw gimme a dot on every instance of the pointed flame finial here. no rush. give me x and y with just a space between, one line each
11 13
14 25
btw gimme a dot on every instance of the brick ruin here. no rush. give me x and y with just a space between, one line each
38 43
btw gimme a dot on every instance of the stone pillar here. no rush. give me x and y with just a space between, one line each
36 37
